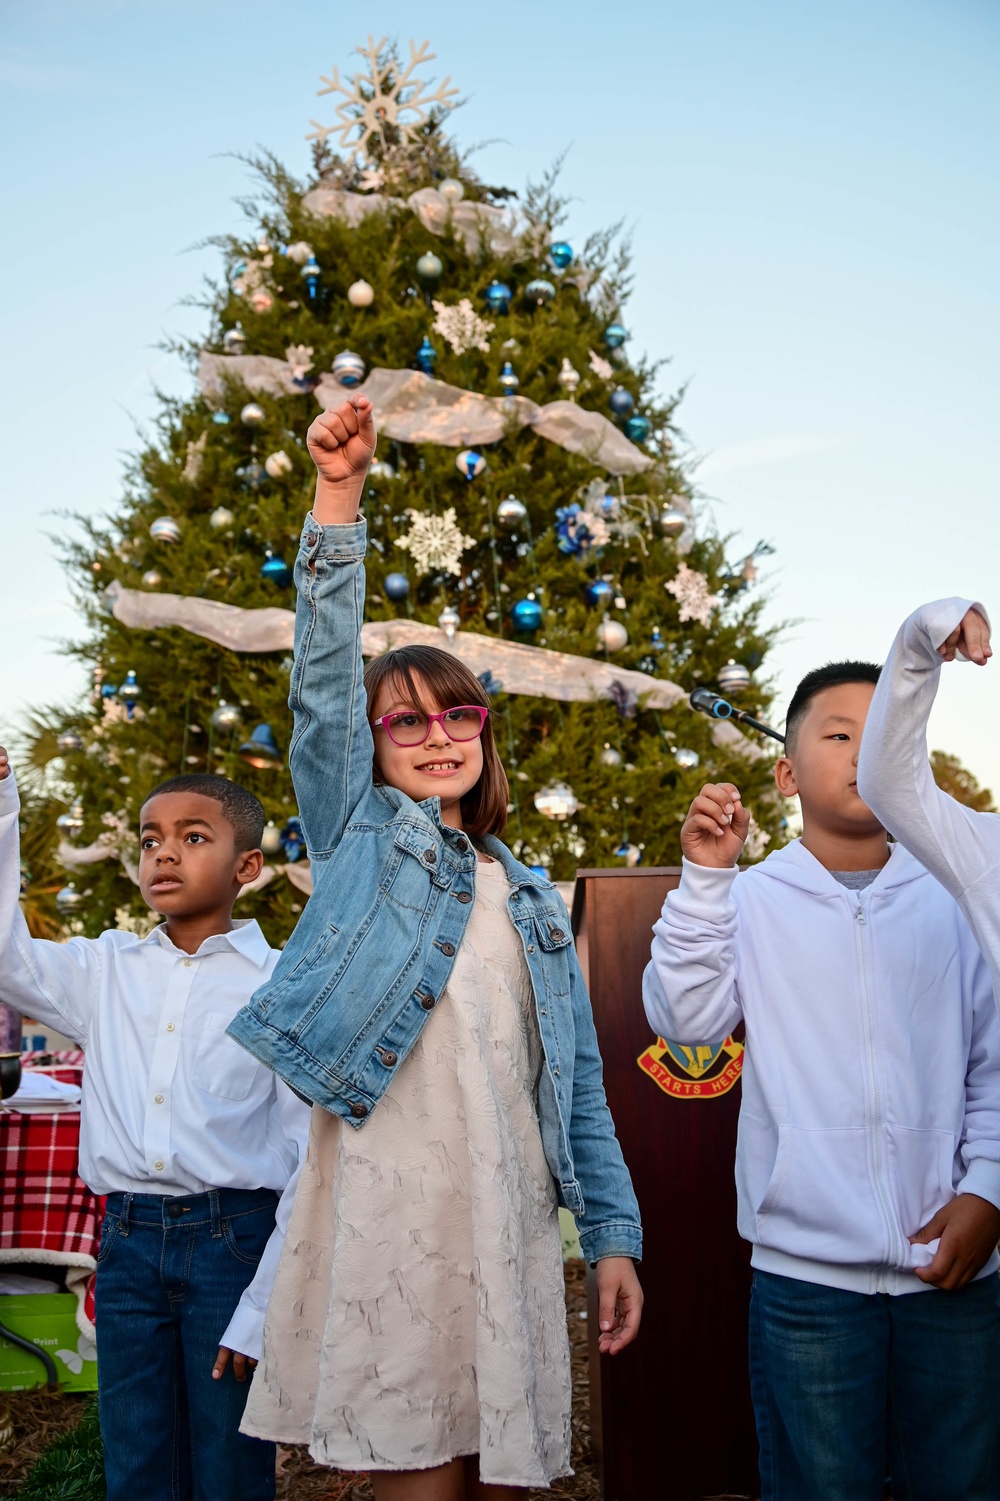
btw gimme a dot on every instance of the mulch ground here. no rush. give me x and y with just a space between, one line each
39 1416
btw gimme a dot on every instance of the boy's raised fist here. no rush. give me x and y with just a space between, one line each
716 827
4 764
971 638
342 441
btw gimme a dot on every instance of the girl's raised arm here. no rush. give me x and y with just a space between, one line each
331 750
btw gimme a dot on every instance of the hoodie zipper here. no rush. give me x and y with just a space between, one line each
874 1094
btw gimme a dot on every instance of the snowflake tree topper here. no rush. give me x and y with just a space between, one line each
435 543
690 589
379 99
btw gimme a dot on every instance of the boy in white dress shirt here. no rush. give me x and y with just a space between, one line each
196 1145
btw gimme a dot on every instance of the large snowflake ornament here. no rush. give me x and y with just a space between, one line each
461 326
691 591
379 99
435 543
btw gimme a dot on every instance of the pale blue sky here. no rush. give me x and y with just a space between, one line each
813 196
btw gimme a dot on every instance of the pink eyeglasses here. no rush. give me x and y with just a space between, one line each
411 726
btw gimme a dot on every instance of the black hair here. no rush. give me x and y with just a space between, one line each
240 808
828 676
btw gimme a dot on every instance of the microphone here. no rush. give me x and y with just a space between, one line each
707 702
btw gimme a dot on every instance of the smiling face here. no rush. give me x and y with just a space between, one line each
188 861
821 766
439 766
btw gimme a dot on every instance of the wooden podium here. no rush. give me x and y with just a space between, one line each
671 1416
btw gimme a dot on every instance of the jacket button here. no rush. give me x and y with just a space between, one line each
464 897
556 934
388 1057
311 539
430 856
427 1001
461 845
447 949
531 948
359 1111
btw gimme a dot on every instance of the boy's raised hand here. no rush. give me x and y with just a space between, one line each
341 442
4 764
971 637
968 1229
716 827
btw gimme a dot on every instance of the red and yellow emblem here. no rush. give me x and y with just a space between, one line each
701 1072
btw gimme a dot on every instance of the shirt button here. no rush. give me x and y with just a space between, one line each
447 949
358 1110
170 1026
311 539
464 896
187 963
158 1098
158 1165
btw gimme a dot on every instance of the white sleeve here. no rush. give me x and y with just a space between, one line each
55 982
956 844
245 1330
689 989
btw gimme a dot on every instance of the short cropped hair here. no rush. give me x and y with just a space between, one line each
484 806
241 810
814 682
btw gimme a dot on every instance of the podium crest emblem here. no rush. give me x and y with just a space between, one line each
701 1071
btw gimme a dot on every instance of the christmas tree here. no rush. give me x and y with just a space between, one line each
527 508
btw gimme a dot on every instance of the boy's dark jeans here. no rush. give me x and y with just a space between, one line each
170 1273
849 1385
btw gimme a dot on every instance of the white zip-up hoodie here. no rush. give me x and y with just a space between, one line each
871 1079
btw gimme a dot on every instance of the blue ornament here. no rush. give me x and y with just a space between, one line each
630 853
621 401
396 586
129 692
599 593
275 570
426 355
508 380
108 690
498 296
561 254
348 369
470 463
656 641
526 615
638 429
615 335
293 841
573 528
221 418
539 291
311 275
261 750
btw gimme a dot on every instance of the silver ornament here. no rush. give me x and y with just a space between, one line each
299 252
686 759
165 529
556 800
673 521
253 414
226 717
381 470
152 578
234 340
277 464
449 620
612 635
733 678
69 740
610 757
69 899
221 517
568 377
452 190
511 512
271 839
430 267
360 294
71 823
348 369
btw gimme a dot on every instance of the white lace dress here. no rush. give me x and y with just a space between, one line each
418 1312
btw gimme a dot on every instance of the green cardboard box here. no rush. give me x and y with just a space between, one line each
49 1320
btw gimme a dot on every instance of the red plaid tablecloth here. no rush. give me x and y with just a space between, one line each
47 1212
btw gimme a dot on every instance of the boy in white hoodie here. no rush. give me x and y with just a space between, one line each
868 1161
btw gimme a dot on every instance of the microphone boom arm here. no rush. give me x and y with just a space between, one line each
707 702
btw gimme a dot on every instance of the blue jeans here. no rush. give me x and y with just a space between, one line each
847 1386
170 1273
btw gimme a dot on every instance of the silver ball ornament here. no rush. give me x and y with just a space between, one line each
270 842
511 512
277 464
686 759
610 757
360 294
556 800
234 340
165 529
430 267
673 521
733 678
348 369
612 635
226 717
253 414
452 190
69 899
69 740
152 578
220 518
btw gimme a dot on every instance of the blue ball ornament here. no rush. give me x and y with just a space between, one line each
221 419
539 291
621 401
426 355
498 296
599 593
261 750
560 254
526 615
396 586
638 429
276 571
615 335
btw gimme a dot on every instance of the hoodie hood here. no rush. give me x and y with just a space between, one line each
795 866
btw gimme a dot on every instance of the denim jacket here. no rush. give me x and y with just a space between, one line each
392 891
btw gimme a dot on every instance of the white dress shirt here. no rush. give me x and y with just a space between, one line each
171 1105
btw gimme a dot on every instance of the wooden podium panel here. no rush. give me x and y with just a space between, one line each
671 1416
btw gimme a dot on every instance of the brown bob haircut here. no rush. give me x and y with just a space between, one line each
450 683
